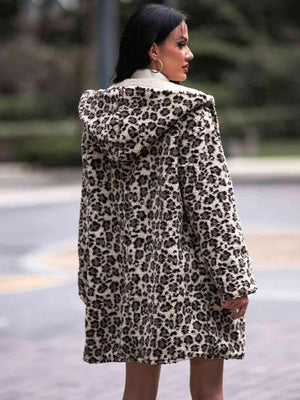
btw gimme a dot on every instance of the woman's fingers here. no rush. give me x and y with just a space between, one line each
232 304
226 304
242 301
237 306
241 313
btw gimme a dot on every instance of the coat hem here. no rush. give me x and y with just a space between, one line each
162 361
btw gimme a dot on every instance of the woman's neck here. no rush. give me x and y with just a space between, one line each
146 73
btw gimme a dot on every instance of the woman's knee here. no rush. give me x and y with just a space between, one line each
141 381
206 379
209 394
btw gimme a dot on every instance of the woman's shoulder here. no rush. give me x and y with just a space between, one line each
190 100
161 85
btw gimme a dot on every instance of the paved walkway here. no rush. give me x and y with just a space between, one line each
270 169
241 169
22 184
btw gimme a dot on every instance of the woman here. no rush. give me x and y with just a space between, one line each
164 271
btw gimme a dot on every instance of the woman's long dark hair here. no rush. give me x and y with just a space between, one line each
150 23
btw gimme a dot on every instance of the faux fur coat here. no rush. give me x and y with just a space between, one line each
160 241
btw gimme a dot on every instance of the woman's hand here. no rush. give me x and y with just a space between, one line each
240 304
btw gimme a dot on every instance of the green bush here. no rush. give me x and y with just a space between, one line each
48 143
49 151
66 127
271 121
279 148
25 106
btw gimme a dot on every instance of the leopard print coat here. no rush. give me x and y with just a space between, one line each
160 241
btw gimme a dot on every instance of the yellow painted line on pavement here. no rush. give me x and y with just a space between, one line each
16 283
274 250
269 249
66 259
3 322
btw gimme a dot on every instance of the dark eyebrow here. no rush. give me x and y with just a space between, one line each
182 37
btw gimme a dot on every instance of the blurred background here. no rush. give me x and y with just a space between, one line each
247 55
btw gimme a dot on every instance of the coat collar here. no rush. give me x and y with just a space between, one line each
146 73
155 80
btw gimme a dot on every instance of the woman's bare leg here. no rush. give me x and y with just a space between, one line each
141 381
206 378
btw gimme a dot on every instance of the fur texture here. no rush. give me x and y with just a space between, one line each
160 241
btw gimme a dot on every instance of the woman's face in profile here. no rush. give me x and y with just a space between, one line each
174 54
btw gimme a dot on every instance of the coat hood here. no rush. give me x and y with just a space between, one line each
125 121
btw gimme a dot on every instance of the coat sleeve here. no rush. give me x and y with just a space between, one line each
209 201
83 225
82 250
83 105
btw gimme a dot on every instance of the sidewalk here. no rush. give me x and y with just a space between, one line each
253 169
23 184
242 169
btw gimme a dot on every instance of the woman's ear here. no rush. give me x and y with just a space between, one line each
153 52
